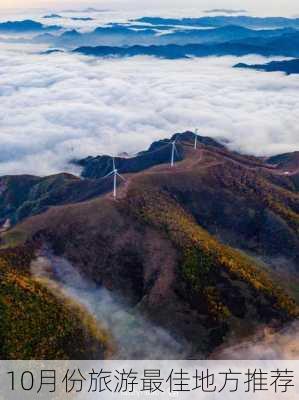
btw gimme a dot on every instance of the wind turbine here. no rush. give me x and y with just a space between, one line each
115 174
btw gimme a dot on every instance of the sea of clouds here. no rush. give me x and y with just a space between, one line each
62 106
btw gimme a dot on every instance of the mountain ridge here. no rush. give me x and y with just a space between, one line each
175 51
26 26
217 21
289 67
199 241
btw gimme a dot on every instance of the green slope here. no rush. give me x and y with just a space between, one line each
35 323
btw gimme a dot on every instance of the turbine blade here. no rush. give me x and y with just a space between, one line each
113 162
121 177
106 176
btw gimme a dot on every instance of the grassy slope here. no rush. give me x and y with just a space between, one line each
23 196
203 256
240 200
35 324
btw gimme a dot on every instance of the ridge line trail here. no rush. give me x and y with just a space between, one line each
192 161
180 166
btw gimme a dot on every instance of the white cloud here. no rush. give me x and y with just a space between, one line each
266 344
61 106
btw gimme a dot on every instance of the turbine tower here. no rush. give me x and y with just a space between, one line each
195 139
115 174
173 151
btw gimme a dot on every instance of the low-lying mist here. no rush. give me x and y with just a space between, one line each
135 338
267 344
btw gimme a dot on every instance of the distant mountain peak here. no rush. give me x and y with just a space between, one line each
27 25
54 16
287 66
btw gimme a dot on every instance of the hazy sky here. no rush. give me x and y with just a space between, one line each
274 7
